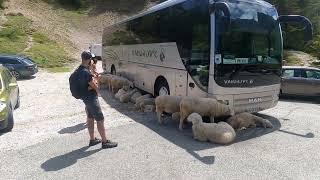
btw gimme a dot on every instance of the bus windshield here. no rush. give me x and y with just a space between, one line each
250 52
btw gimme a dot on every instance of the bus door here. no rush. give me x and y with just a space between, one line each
198 61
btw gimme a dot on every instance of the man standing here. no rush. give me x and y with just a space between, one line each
90 99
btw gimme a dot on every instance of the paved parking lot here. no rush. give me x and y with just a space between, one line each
49 142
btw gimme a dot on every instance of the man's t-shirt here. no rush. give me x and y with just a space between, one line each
86 77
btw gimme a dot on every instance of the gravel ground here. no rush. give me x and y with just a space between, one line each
49 142
47 109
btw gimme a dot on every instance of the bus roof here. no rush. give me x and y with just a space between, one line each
169 3
155 8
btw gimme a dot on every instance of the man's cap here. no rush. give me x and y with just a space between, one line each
85 55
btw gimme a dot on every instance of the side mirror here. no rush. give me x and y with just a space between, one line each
224 7
308 28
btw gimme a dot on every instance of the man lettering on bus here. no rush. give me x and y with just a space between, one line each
93 109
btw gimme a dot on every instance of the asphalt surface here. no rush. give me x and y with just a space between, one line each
50 141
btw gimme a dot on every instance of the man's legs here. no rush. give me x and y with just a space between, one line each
102 130
90 125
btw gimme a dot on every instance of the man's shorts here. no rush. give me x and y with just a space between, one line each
93 109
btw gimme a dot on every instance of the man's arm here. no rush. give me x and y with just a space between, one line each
94 85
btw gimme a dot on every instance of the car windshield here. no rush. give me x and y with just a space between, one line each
26 60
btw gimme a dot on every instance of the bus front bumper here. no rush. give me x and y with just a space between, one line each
251 102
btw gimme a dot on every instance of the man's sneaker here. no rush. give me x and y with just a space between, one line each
94 142
109 144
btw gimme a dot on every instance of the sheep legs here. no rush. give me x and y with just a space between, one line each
212 119
159 114
183 116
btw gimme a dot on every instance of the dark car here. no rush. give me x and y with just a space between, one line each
19 66
299 80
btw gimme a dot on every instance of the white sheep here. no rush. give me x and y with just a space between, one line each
245 120
141 98
135 96
145 102
149 108
168 104
105 80
204 106
118 82
221 133
121 92
125 98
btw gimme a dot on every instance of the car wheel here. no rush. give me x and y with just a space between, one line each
15 74
18 103
10 121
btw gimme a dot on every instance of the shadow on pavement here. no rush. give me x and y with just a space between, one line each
26 78
300 99
73 129
183 139
66 160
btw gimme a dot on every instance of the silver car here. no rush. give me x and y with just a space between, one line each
299 80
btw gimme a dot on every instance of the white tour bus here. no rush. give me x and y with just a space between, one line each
230 50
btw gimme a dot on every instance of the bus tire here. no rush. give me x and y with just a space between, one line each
162 87
113 70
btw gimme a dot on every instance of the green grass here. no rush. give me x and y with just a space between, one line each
14 34
59 69
46 53
291 60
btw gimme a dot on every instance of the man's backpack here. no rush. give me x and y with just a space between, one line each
75 84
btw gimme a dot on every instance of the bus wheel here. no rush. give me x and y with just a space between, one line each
162 88
113 70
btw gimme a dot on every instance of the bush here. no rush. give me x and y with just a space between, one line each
1 3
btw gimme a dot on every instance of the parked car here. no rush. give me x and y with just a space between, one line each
20 66
299 80
9 99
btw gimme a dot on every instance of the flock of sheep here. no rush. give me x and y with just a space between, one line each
186 109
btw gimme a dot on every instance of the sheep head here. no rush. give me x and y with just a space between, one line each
195 118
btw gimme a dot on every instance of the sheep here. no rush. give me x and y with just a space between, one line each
104 80
245 120
221 133
175 116
168 104
118 82
121 92
125 98
203 106
141 98
145 102
149 108
135 96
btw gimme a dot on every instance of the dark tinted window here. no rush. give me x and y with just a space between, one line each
9 60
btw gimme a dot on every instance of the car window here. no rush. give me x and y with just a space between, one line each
288 73
13 61
4 60
313 74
